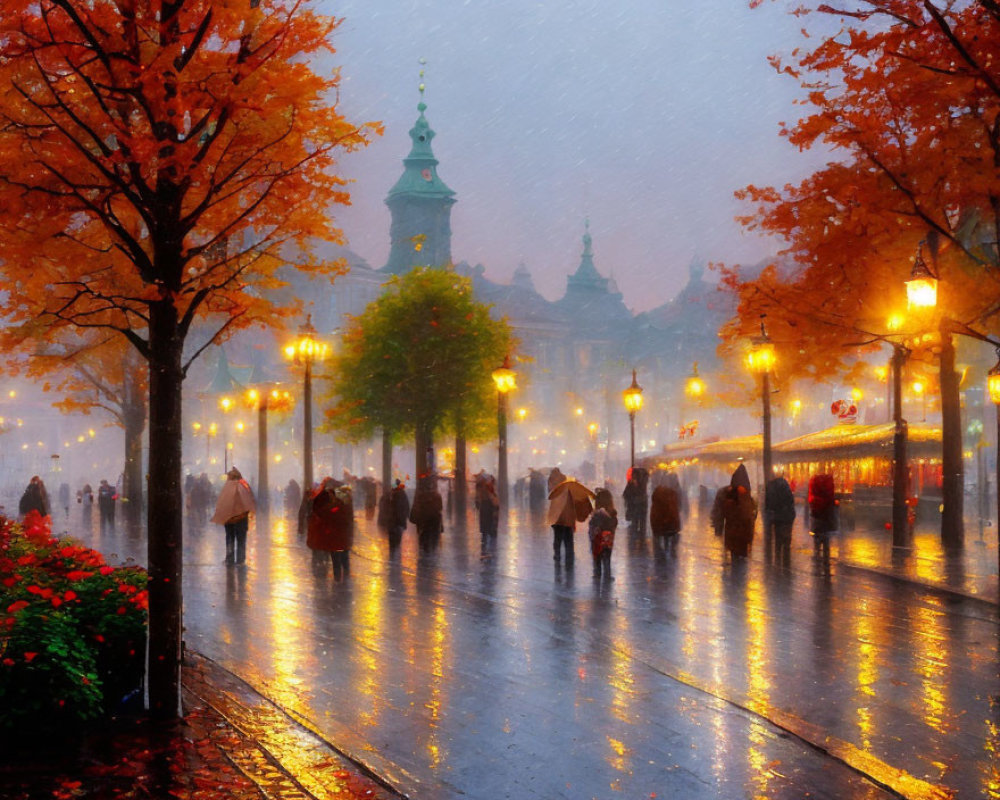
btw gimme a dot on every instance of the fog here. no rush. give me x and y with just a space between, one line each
642 115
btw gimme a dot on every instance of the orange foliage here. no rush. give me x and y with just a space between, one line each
162 151
906 95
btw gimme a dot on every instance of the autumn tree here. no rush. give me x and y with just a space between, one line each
906 96
418 362
157 155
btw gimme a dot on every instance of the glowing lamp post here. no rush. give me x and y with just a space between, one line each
506 381
262 400
305 350
632 398
695 386
993 386
761 362
921 288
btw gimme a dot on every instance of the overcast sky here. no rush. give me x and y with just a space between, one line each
643 115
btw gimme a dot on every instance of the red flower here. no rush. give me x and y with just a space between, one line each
16 606
78 575
8 662
8 582
107 570
29 657
69 595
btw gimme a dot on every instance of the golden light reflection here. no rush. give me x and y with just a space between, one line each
759 689
866 635
439 640
370 632
932 663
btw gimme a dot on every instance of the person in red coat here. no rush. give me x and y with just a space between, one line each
331 525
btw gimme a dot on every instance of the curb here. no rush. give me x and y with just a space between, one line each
945 591
285 759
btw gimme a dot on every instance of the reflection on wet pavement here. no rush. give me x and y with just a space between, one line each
482 670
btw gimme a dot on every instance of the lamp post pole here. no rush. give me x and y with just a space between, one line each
993 386
502 448
633 402
263 495
900 525
506 380
762 360
307 431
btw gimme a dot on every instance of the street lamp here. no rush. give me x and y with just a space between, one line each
695 386
262 400
305 350
761 362
921 288
993 387
633 403
506 380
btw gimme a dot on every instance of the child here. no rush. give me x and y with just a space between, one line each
603 522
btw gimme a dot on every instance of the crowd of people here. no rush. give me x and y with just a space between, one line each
325 513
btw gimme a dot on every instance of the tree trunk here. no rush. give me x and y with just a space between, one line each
165 545
424 442
952 469
134 420
461 476
386 462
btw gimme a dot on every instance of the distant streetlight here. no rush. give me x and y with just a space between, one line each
761 361
632 396
922 286
695 386
506 381
305 350
263 399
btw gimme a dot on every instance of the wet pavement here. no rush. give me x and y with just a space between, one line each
489 672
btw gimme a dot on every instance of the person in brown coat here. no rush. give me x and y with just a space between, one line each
331 525
427 513
665 514
739 512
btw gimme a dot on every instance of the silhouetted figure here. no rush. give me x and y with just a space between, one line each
822 513
35 498
331 525
739 511
427 514
106 497
64 496
85 497
780 507
488 505
293 498
665 515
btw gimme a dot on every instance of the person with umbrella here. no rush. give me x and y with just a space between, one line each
233 510
569 503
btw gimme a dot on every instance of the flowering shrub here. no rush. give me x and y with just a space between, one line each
72 629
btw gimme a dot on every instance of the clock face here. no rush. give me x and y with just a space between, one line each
426 174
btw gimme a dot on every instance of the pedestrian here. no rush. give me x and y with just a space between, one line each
293 498
716 516
555 478
665 515
394 514
64 497
822 512
427 514
569 503
779 504
488 504
331 525
603 523
739 511
536 491
85 497
106 497
201 497
35 498
233 510
370 487
636 500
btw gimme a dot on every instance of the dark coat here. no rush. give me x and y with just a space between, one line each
426 512
35 498
739 512
779 501
489 507
665 511
331 520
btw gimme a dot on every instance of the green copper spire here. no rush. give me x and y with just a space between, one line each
586 274
420 204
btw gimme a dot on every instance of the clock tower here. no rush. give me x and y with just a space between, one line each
420 204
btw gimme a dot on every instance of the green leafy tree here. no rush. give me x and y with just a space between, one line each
419 362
